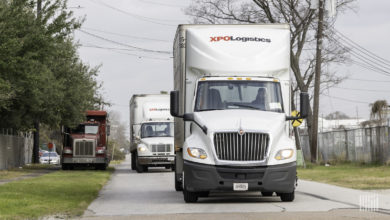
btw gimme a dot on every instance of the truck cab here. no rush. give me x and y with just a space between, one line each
86 144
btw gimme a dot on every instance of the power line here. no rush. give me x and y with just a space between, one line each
163 4
123 49
362 90
125 45
370 63
366 61
125 35
369 67
151 20
368 80
348 100
367 54
341 34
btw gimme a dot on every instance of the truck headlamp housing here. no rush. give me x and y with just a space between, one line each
196 153
100 150
141 149
67 150
284 154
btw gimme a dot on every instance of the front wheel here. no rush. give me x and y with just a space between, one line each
133 158
287 197
190 197
178 184
266 194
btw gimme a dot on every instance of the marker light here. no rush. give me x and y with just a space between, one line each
284 154
197 153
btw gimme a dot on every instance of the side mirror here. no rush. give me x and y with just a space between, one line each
175 103
305 104
137 138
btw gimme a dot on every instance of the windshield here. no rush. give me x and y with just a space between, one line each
157 129
53 154
220 95
86 129
91 129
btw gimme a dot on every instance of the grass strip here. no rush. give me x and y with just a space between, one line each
66 193
356 176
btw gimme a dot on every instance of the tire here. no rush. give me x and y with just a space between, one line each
140 168
203 194
65 167
102 167
178 184
133 158
190 197
267 194
287 197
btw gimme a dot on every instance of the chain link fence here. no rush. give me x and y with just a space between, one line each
368 145
15 149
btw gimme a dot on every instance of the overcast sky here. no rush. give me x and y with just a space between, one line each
151 25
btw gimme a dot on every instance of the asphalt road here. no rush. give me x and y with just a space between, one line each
151 195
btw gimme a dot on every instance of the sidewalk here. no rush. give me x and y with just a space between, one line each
353 197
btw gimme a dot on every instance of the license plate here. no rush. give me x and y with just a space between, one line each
171 158
240 186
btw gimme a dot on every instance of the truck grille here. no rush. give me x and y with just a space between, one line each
245 147
161 148
84 148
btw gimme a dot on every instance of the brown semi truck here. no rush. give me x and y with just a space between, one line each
86 145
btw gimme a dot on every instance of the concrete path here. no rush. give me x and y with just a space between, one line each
131 194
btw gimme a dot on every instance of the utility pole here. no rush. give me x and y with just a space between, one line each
317 81
36 121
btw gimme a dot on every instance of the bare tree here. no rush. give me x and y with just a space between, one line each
302 22
118 130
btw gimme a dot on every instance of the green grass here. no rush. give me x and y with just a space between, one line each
10 174
67 193
356 176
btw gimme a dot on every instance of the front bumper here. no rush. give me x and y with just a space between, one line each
156 160
84 160
57 162
277 178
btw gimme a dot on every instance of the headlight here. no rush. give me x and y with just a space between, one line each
141 149
196 153
101 150
284 154
67 151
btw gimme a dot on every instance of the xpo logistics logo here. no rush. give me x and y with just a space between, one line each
242 39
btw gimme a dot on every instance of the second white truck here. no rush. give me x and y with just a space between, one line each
151 132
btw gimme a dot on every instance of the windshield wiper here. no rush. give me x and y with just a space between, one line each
247 106
210 109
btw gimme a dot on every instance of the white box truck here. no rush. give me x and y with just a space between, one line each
231 103
151 132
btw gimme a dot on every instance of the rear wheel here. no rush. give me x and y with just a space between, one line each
287 197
